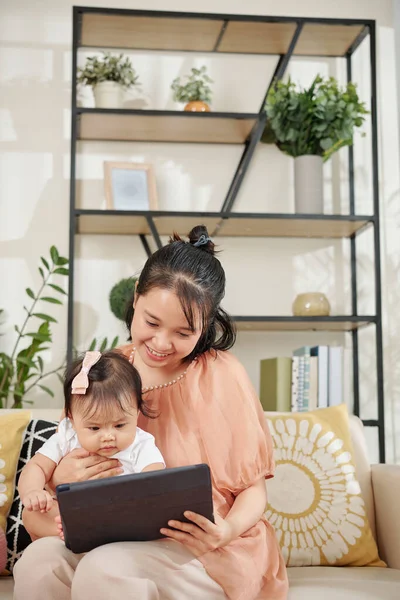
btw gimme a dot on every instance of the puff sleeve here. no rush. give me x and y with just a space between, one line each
232 425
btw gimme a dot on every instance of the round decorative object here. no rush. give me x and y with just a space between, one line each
108 94
197 106
311 304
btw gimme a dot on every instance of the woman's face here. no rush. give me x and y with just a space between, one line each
160 331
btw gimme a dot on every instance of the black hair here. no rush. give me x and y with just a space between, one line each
198 279
112 379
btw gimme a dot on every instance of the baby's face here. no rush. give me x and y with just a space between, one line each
105 434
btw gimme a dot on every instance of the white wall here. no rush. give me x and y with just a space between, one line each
35 72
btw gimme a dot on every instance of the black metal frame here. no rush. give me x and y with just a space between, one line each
369 28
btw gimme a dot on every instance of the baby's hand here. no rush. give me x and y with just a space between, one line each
59 527
38 500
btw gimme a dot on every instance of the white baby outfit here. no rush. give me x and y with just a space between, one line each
141 453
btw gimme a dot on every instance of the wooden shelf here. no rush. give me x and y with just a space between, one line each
164 126
257 38
337 323
141 32
236 225
317 39
194 32
292 225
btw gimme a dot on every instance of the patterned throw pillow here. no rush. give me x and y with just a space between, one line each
314 500
17 537
12 429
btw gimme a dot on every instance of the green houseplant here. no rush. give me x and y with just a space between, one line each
310 125
23 368
196 92
120 296
108 75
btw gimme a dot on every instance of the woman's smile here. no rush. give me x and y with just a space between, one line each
156 355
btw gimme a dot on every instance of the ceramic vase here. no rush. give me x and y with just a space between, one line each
311 304
308 184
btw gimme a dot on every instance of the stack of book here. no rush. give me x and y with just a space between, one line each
311 378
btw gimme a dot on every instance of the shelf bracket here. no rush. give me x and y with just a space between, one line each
220 36
258 128
154 231
145 245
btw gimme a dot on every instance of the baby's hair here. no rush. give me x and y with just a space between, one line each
111 380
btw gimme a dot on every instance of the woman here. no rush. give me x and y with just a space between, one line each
208 412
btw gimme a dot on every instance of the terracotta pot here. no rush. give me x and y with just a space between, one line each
197 106
311 304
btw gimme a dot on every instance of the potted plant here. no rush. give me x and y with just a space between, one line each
196 92
108 75
310 125
121 295
23 369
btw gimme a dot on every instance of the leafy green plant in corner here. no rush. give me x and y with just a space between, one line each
108 68
196 88
23 369
318 120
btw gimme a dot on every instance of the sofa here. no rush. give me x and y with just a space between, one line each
380 485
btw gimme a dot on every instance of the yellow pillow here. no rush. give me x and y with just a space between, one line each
314 500
12 429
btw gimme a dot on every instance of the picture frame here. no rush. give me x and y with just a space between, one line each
130 186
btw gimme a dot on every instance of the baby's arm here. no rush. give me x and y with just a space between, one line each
36 473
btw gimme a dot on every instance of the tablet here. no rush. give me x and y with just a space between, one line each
131 507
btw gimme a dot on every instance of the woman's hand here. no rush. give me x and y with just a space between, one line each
201 535
80 465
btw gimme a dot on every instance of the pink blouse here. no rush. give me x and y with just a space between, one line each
214 416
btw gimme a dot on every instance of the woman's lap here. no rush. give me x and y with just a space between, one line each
159 570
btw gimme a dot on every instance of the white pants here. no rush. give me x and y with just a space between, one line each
159 570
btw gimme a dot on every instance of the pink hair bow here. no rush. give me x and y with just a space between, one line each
80 383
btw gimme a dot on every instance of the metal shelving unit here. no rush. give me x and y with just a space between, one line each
284 37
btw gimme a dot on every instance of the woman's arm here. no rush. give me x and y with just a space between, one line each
203 536
247 509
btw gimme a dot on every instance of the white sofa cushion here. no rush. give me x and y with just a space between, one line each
333 583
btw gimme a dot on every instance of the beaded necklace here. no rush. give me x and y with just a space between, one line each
161 385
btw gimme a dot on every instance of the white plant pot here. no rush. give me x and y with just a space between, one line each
308 184
108 94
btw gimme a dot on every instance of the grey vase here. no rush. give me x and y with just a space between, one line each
308 184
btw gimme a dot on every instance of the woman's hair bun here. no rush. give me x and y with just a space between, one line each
200 238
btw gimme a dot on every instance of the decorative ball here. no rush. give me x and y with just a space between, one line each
311 304
121 296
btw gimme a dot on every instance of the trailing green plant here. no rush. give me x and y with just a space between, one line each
318 120
121 295
23 369
196 88
108 68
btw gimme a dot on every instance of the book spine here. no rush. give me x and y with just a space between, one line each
295 383
335 391
306 383
300 391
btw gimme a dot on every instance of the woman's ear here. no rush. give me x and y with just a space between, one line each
134 297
